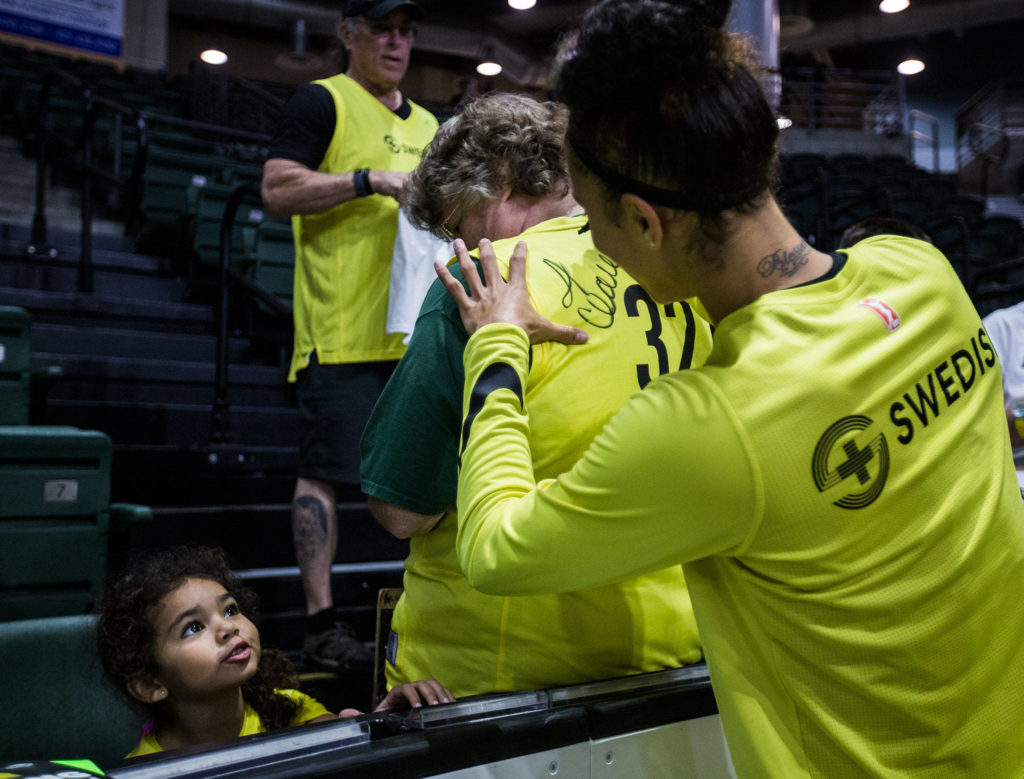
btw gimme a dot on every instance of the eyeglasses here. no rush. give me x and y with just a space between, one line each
450 233
384 29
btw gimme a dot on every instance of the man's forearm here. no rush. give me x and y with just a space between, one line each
291 188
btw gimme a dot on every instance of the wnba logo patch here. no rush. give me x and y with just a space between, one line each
884 310
851 462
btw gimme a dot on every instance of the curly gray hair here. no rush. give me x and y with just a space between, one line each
497 143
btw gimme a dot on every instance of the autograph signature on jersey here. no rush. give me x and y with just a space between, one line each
596 306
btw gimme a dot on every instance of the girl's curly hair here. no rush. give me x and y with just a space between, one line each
125 636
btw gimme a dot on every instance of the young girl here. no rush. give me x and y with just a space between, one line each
175 633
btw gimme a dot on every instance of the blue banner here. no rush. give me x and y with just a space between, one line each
79 24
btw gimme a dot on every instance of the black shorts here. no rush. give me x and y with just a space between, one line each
335 402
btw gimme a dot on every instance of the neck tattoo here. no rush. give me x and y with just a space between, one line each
784 262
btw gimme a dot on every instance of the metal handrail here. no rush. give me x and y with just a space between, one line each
996 270
38 234
220 421
263 94
93 105
914 117
984 151
819 98
217 129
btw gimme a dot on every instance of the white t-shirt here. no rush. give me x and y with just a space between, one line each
1005 328
1006 331
412 273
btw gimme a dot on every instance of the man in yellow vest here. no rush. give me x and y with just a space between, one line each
337 163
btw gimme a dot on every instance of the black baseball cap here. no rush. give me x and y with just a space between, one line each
378 9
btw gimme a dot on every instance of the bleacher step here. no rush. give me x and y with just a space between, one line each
174 424
123 342
204 474
138 380
62 277
67 239
73 308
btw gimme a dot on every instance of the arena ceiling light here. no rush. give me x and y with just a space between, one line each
893 6
213 57
522 5
488 65
910 66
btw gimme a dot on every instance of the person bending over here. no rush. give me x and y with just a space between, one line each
498 168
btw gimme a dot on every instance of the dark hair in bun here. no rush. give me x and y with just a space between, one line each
665 104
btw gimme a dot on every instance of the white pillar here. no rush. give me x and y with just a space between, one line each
145 34
758 20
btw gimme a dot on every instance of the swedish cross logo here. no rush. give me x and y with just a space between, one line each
849 461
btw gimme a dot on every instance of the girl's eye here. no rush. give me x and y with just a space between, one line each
191 629
232 610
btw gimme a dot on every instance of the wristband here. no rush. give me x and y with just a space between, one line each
361 180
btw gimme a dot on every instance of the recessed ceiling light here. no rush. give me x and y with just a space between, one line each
488 68
213 57
910 67
893 6
522 5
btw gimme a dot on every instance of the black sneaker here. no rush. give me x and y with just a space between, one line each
337 648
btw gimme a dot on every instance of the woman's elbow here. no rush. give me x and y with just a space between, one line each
481 577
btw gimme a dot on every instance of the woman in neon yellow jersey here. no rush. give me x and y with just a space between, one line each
836 479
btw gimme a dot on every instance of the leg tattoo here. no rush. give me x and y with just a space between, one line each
309 527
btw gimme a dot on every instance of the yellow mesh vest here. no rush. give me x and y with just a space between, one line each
343 255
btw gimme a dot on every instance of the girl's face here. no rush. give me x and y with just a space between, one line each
203 643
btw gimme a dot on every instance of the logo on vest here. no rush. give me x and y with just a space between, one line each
848 459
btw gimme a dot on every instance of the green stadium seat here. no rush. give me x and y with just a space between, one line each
1007 231
969 207
57 703
912 208
275 259
54 520
170 174
937 190
207 204
165 187
15 365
